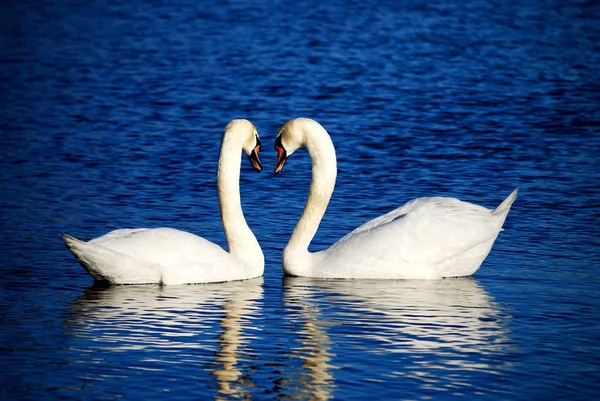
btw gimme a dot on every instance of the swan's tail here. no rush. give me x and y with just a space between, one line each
503 209
107 265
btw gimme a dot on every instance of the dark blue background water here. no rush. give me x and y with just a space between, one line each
111 115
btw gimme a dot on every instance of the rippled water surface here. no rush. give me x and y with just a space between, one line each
111 115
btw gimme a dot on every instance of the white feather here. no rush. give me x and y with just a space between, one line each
169 256
427 238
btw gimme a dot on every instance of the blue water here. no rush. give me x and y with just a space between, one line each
111 115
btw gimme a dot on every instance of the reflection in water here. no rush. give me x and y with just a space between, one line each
438 335
229 375
436 326
316 382
199 325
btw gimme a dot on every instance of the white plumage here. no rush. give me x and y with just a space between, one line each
169 256
427 238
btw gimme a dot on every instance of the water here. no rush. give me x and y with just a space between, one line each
111 117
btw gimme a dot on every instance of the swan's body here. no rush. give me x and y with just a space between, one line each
169 256
427 238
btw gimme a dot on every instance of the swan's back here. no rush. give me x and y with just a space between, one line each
163 246
110 266
160 255
417 238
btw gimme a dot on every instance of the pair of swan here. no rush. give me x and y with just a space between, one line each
427 238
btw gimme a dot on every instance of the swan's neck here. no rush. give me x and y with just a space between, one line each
324 173
241 242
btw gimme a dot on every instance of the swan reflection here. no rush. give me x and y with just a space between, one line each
423 326
205 327
316 379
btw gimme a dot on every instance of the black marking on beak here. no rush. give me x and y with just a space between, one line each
253 156
281 155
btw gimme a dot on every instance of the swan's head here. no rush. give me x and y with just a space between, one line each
291 137
245 132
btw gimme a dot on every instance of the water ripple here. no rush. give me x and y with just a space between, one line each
111 117
211 326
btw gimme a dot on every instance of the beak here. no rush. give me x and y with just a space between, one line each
254 160
281 156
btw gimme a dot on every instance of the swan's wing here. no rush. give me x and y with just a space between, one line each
117 234
163 246
108 265
424 231
384 219
159 255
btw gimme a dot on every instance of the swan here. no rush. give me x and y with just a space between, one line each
167 256
427 238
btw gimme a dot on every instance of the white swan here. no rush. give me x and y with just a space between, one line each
169 256
427 238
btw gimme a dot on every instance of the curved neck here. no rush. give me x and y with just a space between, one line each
241 242
324 172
